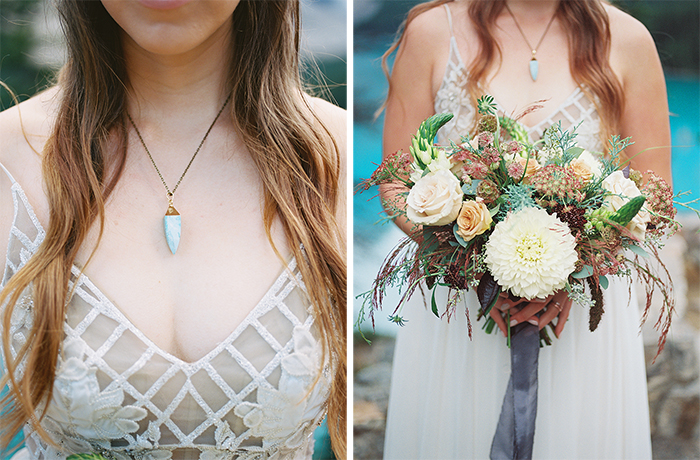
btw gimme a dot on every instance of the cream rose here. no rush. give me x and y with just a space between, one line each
435 199
474 219
638 224
621 191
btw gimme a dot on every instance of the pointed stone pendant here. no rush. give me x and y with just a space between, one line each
534 68
172 226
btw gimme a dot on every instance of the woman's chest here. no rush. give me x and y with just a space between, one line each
189 301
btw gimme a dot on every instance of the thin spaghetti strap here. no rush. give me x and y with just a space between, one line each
12 179
449 19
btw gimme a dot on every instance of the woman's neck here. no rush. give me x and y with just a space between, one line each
533 9
190 84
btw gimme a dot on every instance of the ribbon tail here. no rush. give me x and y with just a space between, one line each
515 433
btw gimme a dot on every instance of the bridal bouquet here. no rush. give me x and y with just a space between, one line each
497 213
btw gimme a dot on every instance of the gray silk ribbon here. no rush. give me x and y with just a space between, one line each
515 432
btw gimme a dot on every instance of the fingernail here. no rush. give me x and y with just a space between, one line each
504 333
533 322
513 322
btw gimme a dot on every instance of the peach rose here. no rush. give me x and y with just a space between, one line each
474 219
532 166
435 199
581 170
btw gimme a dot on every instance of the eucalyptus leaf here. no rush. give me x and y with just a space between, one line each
460 240
603 281
575 152
495 210
639 251
585 272
471 188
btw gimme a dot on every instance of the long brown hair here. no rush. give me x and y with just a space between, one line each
295 155
588 29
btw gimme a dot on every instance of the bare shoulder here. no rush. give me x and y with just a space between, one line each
632 46
624 24
24 129
428 30
334 118
421 58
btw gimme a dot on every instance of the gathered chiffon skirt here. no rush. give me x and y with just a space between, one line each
447 390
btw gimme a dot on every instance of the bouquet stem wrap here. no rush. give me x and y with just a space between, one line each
515 432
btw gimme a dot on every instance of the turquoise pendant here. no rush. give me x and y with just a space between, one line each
534 68
172 225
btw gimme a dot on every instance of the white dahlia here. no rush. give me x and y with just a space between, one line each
531 253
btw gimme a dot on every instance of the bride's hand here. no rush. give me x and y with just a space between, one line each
557 305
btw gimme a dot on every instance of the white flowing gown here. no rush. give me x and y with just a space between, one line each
447 390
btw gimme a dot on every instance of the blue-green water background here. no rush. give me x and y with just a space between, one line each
373 240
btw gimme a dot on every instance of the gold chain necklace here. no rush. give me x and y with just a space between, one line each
172 222
534 65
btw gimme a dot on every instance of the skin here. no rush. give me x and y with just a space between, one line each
189 302
420 65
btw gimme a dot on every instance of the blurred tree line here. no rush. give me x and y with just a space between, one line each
17 40
25 76
674 24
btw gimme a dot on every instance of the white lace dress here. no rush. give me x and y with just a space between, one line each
258 395
447 390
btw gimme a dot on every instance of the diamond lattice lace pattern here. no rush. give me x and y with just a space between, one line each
576 111
257 395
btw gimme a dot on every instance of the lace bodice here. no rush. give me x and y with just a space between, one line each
576 110
258 395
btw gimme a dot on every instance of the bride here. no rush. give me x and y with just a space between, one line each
597 68
175 275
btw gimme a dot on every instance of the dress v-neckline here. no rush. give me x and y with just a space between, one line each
80 277
286 273
461 68
548 118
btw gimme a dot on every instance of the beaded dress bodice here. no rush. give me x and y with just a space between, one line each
258 395
452 96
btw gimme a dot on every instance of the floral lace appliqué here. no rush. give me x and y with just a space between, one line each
285 417
80 411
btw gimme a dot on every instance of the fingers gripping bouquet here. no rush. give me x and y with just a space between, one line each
497 213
